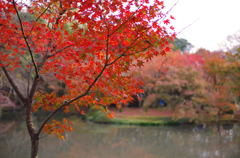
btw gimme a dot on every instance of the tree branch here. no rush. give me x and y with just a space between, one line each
38 19
13 84
107 48
49 56
25 38
29 78
139 51
36 79
25 58
43 136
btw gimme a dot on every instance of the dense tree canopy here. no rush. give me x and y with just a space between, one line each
89 45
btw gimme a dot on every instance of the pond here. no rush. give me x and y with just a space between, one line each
89 140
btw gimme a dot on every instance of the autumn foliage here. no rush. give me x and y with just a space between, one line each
197 86
89 45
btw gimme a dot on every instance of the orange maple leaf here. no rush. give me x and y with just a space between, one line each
77 108
82 112
65 120
110 115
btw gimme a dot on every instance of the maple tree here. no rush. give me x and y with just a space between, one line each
90 45
218 71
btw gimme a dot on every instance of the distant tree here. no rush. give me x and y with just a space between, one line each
232 42
234 59
182 44
232 46
175 78
217 72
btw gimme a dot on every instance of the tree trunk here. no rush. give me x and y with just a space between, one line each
34 147
31 130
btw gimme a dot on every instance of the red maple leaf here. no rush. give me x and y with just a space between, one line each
167 49
166 22
140 63
172 28
83 113
172 17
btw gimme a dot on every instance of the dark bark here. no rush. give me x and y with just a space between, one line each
32 132
34 146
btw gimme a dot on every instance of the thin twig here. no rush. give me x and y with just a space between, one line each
59 51
108 31
25 58
188 26
26 17
139 51
107 48
43 136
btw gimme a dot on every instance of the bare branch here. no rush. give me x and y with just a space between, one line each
13 84
188 26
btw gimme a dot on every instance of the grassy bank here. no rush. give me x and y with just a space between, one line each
99 117
150 120
153 118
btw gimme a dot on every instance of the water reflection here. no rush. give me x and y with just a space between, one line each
111 141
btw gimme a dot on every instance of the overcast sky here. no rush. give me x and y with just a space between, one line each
217 20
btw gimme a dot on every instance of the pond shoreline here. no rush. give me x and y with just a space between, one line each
152 117
121 118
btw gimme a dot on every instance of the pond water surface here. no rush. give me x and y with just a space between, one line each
89 140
